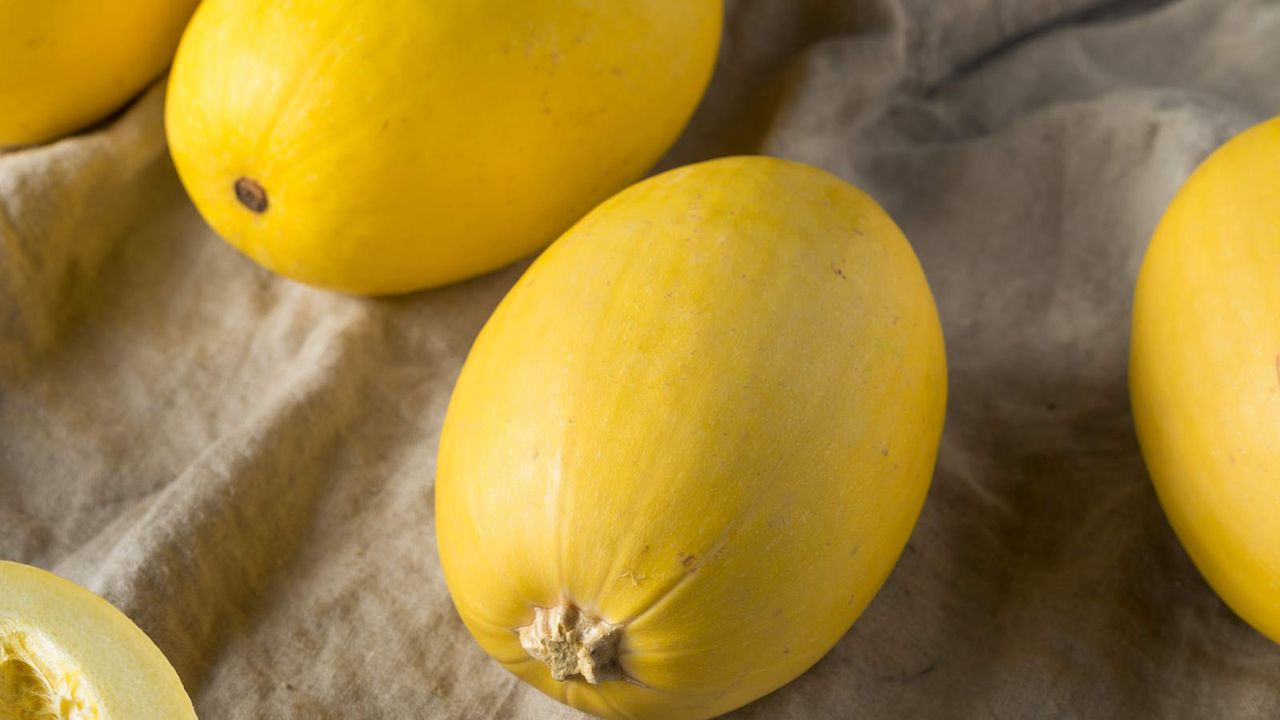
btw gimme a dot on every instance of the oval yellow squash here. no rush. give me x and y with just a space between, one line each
383 147
1205 371
691 442
65 64
67 654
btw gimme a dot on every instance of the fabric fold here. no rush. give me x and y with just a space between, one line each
63 207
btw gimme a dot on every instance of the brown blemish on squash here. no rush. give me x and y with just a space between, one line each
687 560
838 271
251 194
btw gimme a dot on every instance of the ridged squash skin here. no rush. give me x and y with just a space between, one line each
403 144
1205 371
65 64
66 653
708 416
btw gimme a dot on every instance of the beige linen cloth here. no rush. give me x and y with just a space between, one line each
244 465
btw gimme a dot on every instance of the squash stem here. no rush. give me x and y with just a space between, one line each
573 644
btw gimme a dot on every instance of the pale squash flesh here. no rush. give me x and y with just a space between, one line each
383 147
67 654
65 64
690 444
1205 371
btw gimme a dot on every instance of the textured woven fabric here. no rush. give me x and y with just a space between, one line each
244 465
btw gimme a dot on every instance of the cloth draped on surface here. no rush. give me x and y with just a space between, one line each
244 465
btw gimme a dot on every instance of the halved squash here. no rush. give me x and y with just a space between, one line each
67 654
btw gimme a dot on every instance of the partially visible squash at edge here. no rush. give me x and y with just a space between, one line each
691 442
1204 371
384 147
67 653
65 64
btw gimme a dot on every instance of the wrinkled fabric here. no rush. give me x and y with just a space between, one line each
244 465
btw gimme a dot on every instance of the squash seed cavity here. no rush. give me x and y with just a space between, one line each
38 682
